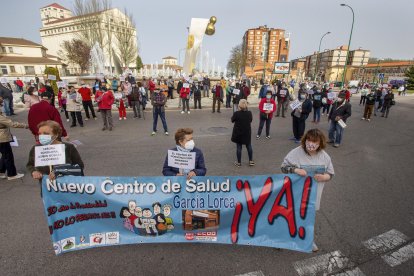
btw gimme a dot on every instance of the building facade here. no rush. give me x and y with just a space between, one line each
262 47
382 71
24 59
59 25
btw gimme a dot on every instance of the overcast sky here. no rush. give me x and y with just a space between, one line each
382 26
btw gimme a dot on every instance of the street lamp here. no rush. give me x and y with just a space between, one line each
317 55
349 43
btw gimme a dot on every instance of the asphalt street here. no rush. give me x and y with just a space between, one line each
371 194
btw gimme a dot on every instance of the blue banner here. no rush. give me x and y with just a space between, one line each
265 210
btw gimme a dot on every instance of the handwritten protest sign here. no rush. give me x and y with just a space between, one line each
181 159
268 106
295 104
50 155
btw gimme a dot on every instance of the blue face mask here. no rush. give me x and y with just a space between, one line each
45 139
268 96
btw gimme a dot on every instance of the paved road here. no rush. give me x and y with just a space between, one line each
371 194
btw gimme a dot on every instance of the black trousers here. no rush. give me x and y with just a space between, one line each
7 160
298 127
261 124
86 105
76 115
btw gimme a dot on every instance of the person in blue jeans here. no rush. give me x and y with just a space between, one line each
158 101
317 105
341 110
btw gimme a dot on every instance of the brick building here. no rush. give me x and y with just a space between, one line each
262 47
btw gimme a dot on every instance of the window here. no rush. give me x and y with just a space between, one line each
251 32
258 32
12 69
10 49
273 42
29 70
3 69
272 53
257 48
251 42
3 49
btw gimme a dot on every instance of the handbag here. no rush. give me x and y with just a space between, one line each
392 102
68 169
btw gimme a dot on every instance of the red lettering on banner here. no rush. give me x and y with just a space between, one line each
304 204
287 212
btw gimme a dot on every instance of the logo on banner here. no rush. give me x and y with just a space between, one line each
57 248
82 241
206 236
68 243
189 236
97 239
112 238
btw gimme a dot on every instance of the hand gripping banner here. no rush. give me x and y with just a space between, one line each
264 210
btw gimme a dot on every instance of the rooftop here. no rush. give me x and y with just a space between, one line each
56 5
390 64
169 57
18 41
27 60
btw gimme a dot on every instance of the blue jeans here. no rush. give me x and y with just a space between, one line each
335 132
6 107
316 114
158 111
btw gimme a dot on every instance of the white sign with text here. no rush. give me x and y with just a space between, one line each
181 159
268 106
50 155
295 104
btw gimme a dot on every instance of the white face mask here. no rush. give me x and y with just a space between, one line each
311 146
189 145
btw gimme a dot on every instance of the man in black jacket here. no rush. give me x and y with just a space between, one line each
341 110
299 116
369 105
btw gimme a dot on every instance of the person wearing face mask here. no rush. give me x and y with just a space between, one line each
86 94
30 98
311 155
44 111
105 100
7 158
242 132
299 116
49 89
185 143
158 101
266 106
341 110
388 102
73 105
50 133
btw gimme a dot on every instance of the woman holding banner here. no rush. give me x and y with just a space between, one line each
50 133
310 158
242 131
185 143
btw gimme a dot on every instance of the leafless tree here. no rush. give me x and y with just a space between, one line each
78 52
237 60
127 46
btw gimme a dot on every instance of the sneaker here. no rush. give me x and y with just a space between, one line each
124 118
188 112
218 111
314 247
3 175
153 133
292 139
17 176
73 126
166 133
251 163
297 141
182 112
104 128
120 118
110 128
237 164
95 118
267 137
257 137
369 120
363 118
86 119
81 125
67 120
336 145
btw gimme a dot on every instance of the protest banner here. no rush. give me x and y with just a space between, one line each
268 106
181 159
295 104
50 155
264 210
236 91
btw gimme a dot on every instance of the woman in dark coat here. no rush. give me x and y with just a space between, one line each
242 131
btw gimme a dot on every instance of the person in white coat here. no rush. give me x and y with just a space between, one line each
74 105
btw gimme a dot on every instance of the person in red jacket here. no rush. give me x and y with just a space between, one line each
267 106
151 86
19 85
105 99
185 97
86 94
44 111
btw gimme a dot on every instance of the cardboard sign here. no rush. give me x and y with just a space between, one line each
295 104
331 95
50 155
186 85
236 91
181 159
14 143
51 77
268 106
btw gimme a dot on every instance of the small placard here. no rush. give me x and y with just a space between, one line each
121 78
295 104
51 77
118 95
14 143
181 159
341 123
236 91
268 107
331 95
186 85
50 155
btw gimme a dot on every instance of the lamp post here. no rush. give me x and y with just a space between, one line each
349 43
317 55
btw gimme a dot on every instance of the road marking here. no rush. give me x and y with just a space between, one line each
253 273
327 263
354 272
385 242
400 256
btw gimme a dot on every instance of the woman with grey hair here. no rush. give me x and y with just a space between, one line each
242 132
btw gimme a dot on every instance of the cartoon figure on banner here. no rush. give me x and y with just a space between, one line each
143 222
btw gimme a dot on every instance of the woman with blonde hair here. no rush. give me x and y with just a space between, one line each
242 132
